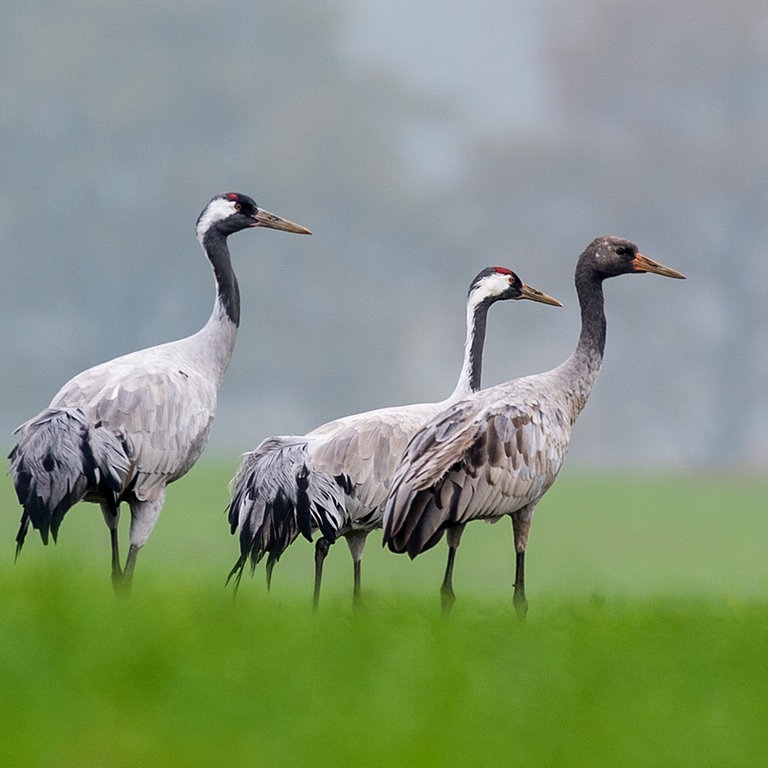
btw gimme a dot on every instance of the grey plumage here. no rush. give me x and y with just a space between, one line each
335 479
497 451
63 456
125 429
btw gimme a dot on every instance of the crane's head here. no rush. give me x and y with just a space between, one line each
499 283
610 256
232 212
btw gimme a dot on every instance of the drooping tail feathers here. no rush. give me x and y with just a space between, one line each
59 459
275 496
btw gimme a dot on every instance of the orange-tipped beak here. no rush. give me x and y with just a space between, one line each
644 264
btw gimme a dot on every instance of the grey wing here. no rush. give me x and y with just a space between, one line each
473 462
366 449
163 414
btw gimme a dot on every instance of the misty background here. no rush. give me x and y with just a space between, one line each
420 142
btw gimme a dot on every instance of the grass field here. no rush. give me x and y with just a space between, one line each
645 642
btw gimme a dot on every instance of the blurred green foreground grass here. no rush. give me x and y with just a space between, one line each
645 643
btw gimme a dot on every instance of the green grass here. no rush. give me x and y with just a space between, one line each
645 642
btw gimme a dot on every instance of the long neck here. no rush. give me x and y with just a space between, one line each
217 336
227 291
583 366
472 366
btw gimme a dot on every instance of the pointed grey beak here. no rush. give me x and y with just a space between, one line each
270 220
527 292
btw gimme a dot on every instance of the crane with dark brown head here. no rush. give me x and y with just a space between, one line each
496 452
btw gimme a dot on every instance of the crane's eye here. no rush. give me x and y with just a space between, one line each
238 206
622 250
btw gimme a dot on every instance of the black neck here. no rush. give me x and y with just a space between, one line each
589 289
477 342
578 374
228 292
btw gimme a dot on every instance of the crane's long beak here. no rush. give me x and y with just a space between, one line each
270 220
526 292
644 264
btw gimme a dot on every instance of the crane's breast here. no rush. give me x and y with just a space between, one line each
162 413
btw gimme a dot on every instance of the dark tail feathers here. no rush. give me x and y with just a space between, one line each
59 459
276 498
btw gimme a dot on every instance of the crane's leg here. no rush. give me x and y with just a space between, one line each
521 525
130 564
111 514
321 550
447 596
356 576
519 599
144 515
356 544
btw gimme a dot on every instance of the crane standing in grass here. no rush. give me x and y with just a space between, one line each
122 430
335 479
497 451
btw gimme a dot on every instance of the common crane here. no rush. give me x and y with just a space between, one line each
125 429
335 479
497 451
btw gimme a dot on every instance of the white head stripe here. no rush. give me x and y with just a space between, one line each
217 210
491 285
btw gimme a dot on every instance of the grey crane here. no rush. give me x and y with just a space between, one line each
335 479
122 430
497 451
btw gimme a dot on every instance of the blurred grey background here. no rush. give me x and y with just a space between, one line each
420 142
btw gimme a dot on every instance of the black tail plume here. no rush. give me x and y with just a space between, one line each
60 458
276 498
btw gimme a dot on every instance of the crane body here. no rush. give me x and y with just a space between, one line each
123 430
497 451
335 479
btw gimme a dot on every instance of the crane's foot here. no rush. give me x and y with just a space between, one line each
358 605
121 584
520 603
518 600
447 599
121 579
